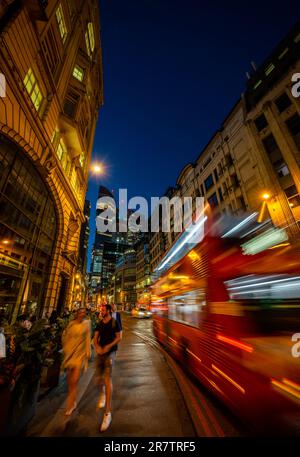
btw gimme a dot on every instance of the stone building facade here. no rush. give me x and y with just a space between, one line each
50 55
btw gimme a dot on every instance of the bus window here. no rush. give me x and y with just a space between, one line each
271 301
187 307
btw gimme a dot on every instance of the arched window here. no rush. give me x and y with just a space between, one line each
28 227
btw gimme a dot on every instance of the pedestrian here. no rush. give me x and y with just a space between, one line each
76 342
116 315
107 336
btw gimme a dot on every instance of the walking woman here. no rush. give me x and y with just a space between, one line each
76 342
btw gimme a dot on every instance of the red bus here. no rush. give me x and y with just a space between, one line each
232 313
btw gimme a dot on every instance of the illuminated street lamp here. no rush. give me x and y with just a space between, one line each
97 168
265 197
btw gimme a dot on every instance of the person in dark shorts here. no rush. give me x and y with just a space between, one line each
107 336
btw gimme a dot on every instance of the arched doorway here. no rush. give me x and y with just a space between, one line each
28 226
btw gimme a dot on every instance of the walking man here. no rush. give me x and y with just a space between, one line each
107 336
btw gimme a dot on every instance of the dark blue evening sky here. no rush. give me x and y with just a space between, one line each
172 71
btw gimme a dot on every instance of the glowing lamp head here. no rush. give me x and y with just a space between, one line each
97 168
266 196
5 242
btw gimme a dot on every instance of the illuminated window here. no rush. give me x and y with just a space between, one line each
257 84
297 38
61 23
81 160
284 52
33 89
90 39
78 73
61 150
269 69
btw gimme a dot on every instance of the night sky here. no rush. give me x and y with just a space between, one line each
172 72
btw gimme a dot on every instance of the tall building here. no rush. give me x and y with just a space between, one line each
143 272
107 249
124 286
255 151
50 56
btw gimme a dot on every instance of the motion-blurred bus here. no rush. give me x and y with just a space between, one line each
230 314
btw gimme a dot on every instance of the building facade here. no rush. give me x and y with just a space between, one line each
256 151
143 272
50 55
124 286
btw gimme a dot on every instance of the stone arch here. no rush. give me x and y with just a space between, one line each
16 138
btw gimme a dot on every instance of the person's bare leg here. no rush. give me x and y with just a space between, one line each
109 390
73 377
70 400
76 376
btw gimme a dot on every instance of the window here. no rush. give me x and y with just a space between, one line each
209 182
283 102
261 123
50 51
270 144
78 73
269 69
61 23
281 168
292 196
71 104
213 200
220 194
297 38
216 175
33 89
291 191
293 124
257 84
229 159
90 39
81 159
284 52
235 181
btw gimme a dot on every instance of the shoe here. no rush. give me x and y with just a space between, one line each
102 400
106 422
69 411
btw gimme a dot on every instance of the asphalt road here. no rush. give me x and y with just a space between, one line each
147 399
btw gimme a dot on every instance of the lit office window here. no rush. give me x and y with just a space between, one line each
91 36
81 159
61 23
90 39
78 73
33 89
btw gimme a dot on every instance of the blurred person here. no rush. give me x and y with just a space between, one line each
116 315
76 342
107 336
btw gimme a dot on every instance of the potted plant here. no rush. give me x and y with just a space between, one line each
20 374
53 354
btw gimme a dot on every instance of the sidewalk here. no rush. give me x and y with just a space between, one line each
146 400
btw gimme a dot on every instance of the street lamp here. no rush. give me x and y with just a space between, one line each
97 168
265 197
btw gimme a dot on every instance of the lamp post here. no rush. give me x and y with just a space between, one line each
265 197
